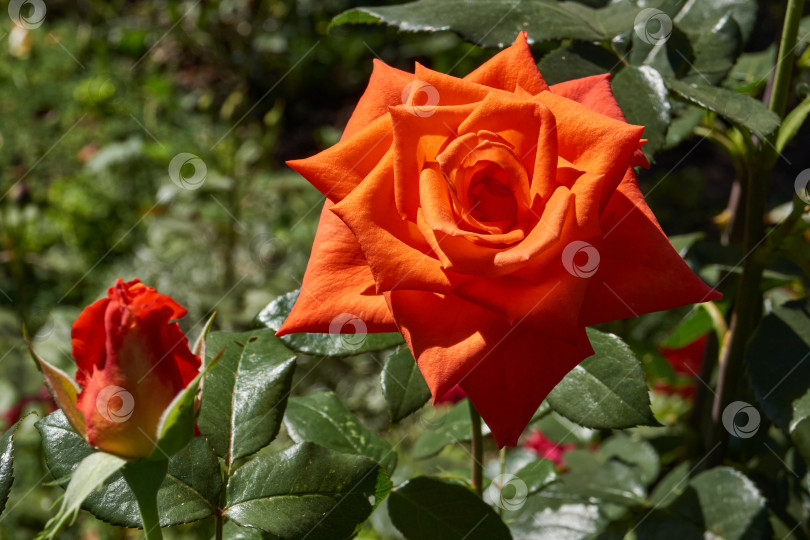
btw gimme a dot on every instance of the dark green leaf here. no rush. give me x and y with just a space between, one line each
593 477
245 394
701 17
426 509
233 531
778 367
632 451
306 490
335 344
6 464
606 390
719 503
642 96
495 23
403 385
443 429
737 108
321 418
573 62
189 493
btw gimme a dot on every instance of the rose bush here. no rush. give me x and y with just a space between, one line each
489 219
132 361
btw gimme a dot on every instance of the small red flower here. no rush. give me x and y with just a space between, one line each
548 449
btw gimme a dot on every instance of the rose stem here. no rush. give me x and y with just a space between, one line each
477 450
502 459
748 308
144 478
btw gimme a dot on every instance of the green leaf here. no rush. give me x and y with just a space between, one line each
573 62
495 23
735 107
671 486
427 508
595 477
778 367
189 493
176 427
321 418
6 465
274 314
682 243
642 96
403 385
633 451
719 503
543 518
306 490
89 475
443 429
537 475
245 394
791 124
64 390
607 390
696 324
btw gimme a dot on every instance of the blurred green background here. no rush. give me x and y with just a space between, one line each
94 106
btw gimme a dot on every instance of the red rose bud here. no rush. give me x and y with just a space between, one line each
133 360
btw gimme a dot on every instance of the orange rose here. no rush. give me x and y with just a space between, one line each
132 362
489 219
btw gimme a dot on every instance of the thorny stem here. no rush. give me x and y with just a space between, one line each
748 300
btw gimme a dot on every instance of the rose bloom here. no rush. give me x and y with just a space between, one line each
489 219
132 362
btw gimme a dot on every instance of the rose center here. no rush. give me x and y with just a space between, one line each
491 199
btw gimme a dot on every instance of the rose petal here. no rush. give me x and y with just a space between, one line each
510 68
337 280
639 270
384 90
336 171
506 370
395 250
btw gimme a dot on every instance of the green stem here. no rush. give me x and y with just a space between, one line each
748 300
477 451
145 478
784 62
502 461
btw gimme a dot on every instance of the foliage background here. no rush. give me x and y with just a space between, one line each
95 104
